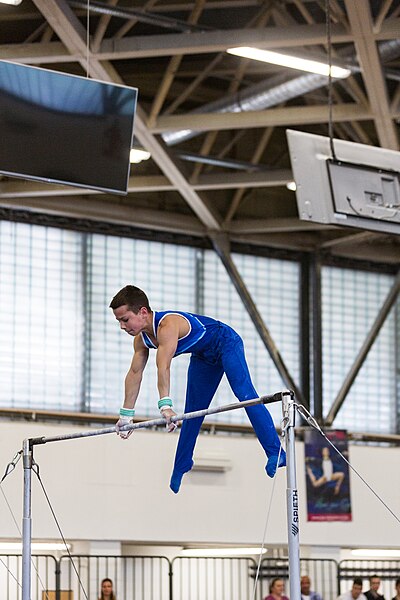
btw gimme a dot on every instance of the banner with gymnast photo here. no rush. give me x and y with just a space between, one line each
327 476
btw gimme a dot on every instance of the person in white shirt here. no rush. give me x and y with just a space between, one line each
356 591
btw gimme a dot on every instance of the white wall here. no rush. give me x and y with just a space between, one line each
107 489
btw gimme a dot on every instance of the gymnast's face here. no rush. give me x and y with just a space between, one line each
129 321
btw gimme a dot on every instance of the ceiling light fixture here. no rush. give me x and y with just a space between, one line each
209 552
136 155
377 553
13 2
293 62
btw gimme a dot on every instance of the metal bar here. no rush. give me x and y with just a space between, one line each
292 500
27 522
221 246
365 348
139 14
58 580
154 422
61 416
86 282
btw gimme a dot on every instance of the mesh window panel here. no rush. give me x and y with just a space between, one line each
40 317
274 286
351 301
166 272
62 348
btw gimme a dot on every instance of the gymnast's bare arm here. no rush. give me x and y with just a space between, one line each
134 376
170 330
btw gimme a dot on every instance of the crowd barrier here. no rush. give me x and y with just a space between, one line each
183 578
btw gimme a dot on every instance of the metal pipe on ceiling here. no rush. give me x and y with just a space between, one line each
265 94
144 16
272 92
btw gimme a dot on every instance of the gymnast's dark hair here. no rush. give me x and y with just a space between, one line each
133 297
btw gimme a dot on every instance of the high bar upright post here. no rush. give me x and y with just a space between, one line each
27 521
292 498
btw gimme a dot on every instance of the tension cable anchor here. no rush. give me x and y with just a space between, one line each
11 465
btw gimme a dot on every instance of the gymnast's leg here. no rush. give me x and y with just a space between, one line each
202 382
237 372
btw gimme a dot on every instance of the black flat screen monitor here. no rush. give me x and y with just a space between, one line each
67 129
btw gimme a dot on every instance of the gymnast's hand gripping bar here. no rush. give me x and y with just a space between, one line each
278 397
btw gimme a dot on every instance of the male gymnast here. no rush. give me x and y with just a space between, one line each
215 349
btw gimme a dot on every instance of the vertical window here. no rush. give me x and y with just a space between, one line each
274 286
41 318
167 273
351 301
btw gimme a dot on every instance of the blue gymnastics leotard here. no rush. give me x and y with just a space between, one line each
215 349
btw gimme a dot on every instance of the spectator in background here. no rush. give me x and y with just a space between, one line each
107 590
397 596
374 583
305 588
276 590
356 591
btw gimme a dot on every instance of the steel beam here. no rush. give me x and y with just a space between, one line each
362 26
272 117
222 247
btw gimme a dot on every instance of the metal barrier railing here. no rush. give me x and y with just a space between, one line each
44 576
216 578
141 577
322 572
183 578
387 570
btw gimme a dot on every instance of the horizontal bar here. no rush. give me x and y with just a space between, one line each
32 414
153 423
